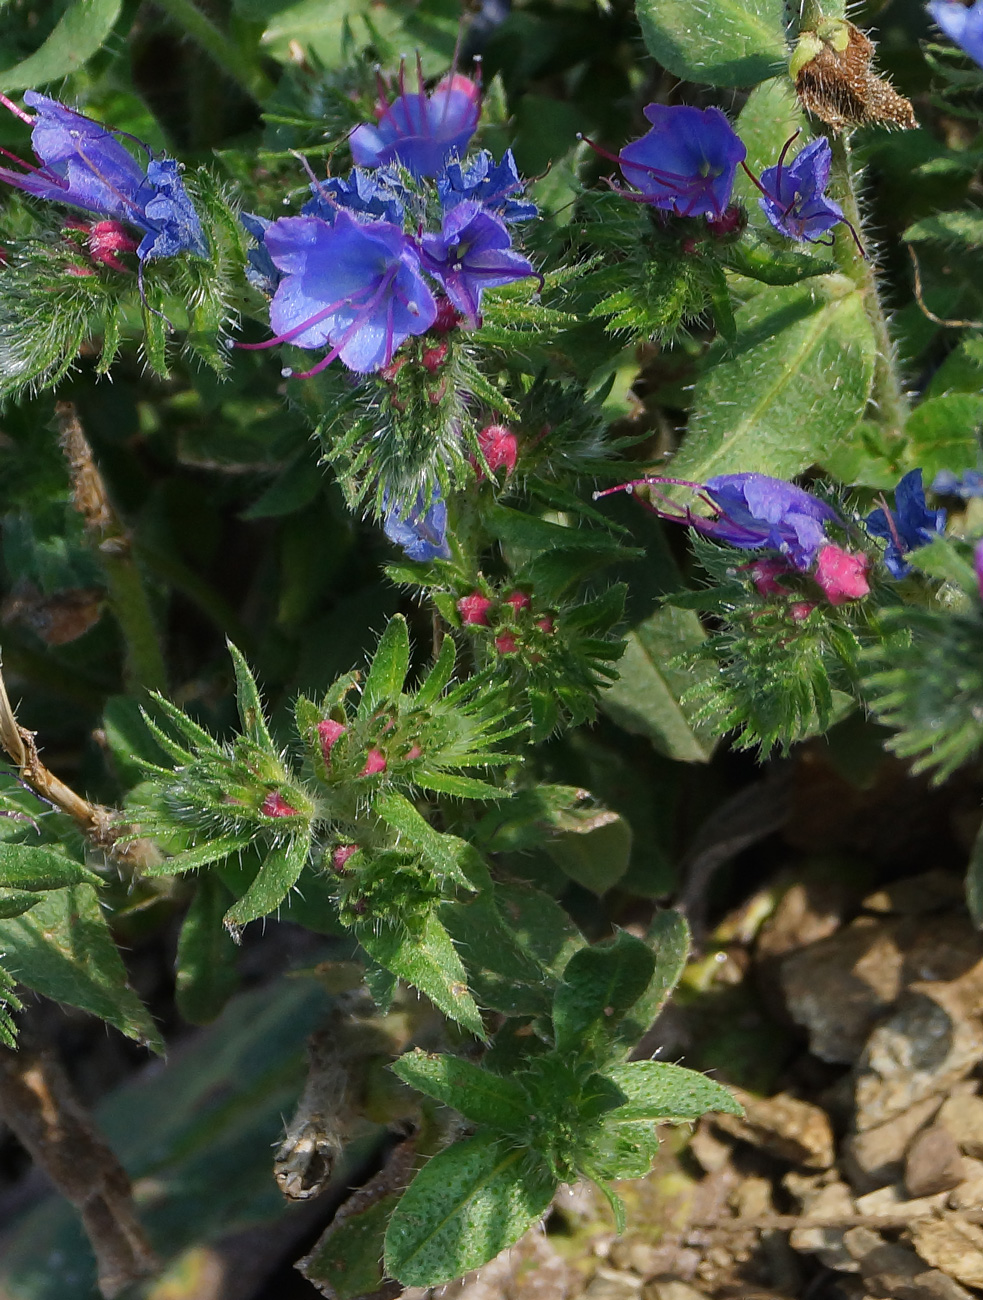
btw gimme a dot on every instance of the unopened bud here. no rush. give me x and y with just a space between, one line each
841 574
765 574
545 624
500 448
474 609
518 600
434 358
389 373
329 732
340 856
801 610
414 751
447 317
506 644
375 762
107 239
274 805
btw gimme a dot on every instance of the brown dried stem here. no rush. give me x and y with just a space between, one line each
39 1104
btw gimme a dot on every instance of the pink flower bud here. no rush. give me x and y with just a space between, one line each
340 856
389 373
375 762
518 600
414 751
500 448
545 624
765 574
447 317
506 644
107 240
274 805
434 358
329 732
474 609
801 610
842 575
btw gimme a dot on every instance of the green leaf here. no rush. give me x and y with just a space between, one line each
669 939
479 1095
646 697
62 948
461 787
15 902
439 676
593 847
202 855
953 229
943 433
770 116
206 955
466 1205
428 960
503 973
346 1262
390 664
658 1091
620 1150
274 880
443 852
720 42
78 35
249 704
540 926
790 390
37 868
598 983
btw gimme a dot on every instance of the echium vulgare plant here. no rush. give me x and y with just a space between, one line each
470 373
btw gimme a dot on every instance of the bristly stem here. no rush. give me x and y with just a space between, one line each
232 59
888 395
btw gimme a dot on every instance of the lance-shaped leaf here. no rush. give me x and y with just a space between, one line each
24 866
669 939
63 949
78 35
479 1095
202 855
790 389
444 853
464 1207
249 704
659 1091
206 954
720 42
503 972
15 902
427 959
276 877
599 985
390 664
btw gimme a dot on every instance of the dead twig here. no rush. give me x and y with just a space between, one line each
926 311
39 1104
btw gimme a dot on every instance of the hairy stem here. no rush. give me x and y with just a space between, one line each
888 395
231 58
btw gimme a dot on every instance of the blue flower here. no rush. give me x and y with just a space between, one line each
793 200
909 525
758 511
422 533
260 270
967 485
420 131
486 182
473 252
962 25
356 287
687 163
370 194
84 166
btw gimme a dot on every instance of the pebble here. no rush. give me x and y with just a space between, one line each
954 1247
794 1131
894 1200
963 1117
606 1284
876 1157
933 1163
969 1194
671 1291
827 1244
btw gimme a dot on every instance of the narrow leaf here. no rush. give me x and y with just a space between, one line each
78 35
466 1205
658 1091
479 1095
36 868
202 855
439 676
249 704
390 664
274 880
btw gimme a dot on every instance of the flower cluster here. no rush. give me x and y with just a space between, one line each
357 273
84 166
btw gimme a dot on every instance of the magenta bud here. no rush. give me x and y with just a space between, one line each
506 644
329 732
341 854
765 574
841 574
107 239
375 762
434 358
474 609
801 610
414 751
447 319
545 624
500 448
518 600
274 805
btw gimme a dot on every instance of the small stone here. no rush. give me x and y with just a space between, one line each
895 1202
963 1117
606 1284
875 1157
807 912
827 1244
784 1127
932 1285
955 1248
930 1041
708 1150
969 1194
933 1163
886 1268
838 987
671 1291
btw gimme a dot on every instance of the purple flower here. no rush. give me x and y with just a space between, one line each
260 271
793 200
962 25
909 525
421 533
753 512
84 166
686 164
486 182
966 485
420 131
473 252
371 195
356 287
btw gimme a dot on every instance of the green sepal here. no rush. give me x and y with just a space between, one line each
202 855
444 853
249 704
